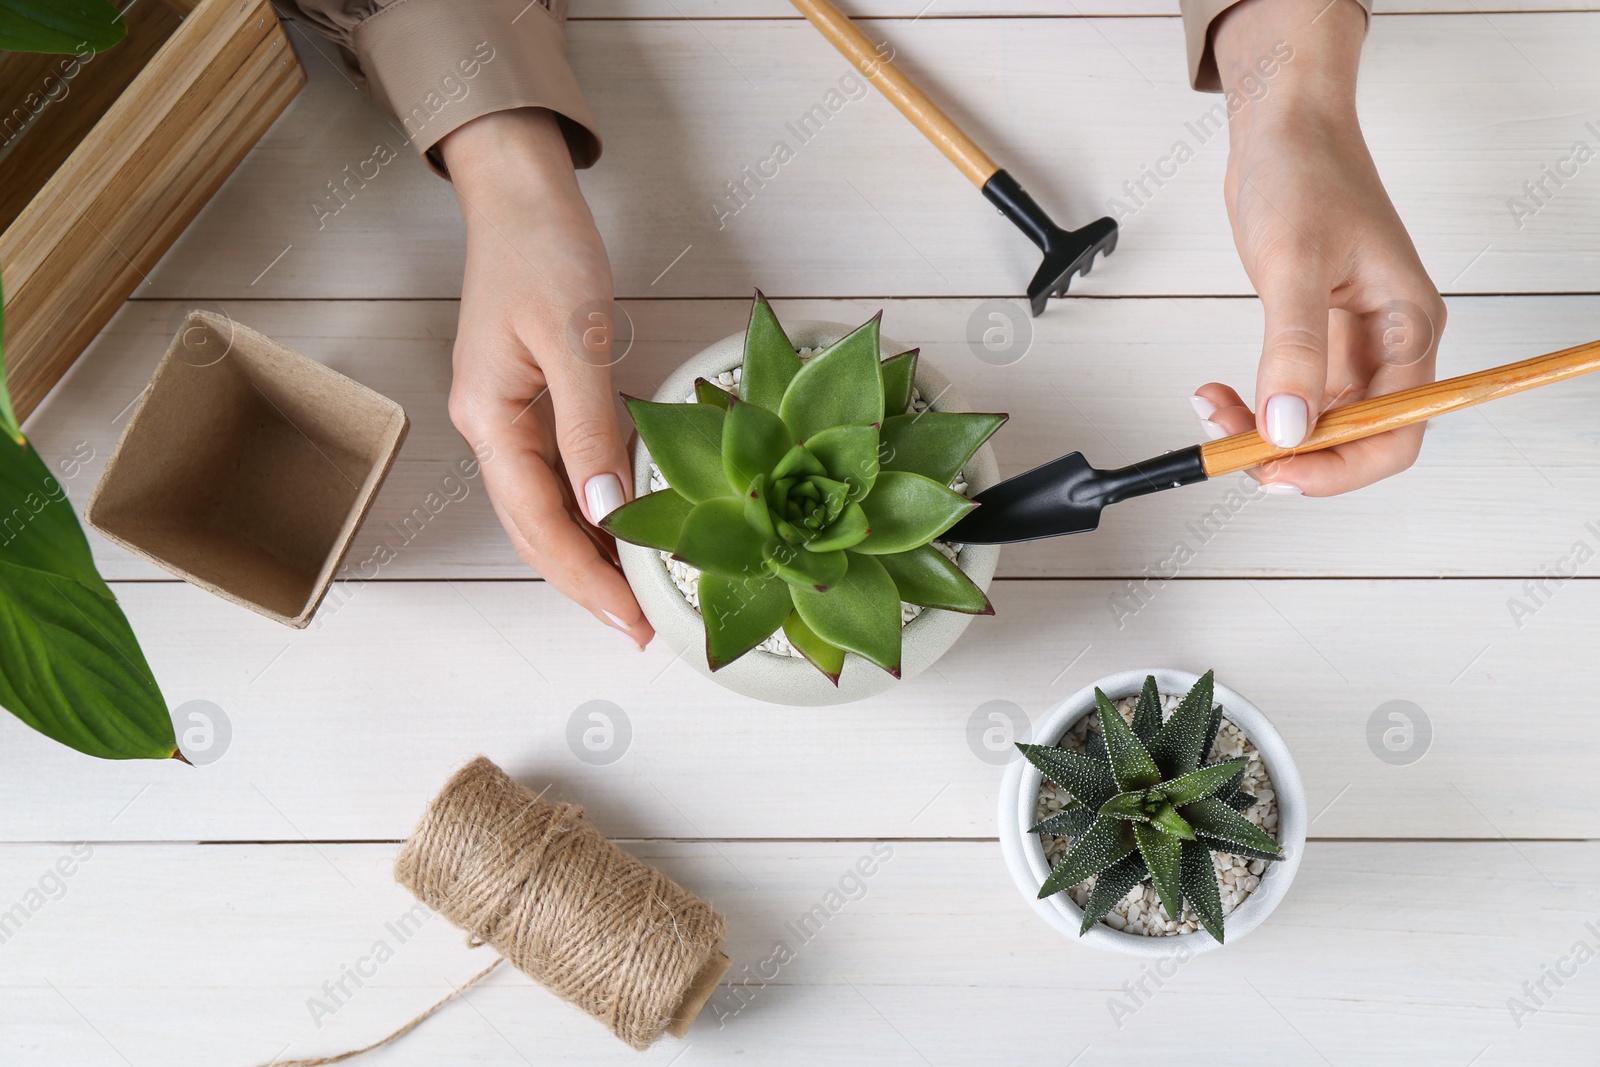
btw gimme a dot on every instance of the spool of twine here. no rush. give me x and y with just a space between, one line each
538 883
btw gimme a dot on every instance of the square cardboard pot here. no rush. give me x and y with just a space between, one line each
247 468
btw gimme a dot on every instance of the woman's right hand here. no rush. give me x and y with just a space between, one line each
532 365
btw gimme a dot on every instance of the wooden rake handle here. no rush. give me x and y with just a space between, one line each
924 114
1394 410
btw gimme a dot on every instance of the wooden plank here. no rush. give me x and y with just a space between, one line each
1505 490
1460 111
344 730
932 959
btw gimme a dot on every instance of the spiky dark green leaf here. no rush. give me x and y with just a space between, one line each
1087 780
1216 820
1197 878
1068 822
1105 842
1114 883
1176 748
1147 713
1201 783
1162 854
1130 763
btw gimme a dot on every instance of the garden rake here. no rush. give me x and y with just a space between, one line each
1066 252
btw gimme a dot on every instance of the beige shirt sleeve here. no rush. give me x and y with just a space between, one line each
1198 15
437 64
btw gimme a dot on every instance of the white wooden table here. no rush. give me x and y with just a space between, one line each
207 907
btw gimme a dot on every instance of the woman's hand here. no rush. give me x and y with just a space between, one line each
1349 310
532 385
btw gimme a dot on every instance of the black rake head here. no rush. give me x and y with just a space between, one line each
1066 252
1069 252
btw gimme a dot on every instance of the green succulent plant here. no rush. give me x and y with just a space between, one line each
808 500
1148 807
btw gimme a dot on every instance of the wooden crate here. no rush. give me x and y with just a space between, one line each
141 174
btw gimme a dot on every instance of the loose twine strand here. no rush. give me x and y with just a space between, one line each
547 891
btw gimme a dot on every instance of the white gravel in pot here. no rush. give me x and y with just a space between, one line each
1141 912
687 578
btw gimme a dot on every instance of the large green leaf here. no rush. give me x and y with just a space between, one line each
38 528
754 440
928 577
905 511
860 613
739 614
716 539
848 454
1130 763
59 26
770 361
8 417
1162 854
1197 878
1106 842
829 659
1088 780
898 374
936 444
685 440
1176 748
653 520
839 386
71 668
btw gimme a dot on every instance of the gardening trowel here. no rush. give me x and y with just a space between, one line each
1066 495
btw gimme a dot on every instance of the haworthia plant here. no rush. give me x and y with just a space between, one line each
1148 807
808 499
70 666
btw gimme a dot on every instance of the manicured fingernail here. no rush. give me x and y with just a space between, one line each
1287 420
1281 489
614 620
1203 407
1212 430
603 493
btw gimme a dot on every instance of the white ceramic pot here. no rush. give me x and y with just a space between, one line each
784 679
1019 797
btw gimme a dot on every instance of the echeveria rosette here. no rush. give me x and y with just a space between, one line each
1148 807
803 507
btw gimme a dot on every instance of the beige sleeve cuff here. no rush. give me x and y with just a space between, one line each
438 64
1198 15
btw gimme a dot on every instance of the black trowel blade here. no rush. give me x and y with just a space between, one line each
1060 497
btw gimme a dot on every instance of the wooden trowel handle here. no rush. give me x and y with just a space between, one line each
924 114
1394 410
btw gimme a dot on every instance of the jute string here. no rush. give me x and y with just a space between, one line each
540 885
